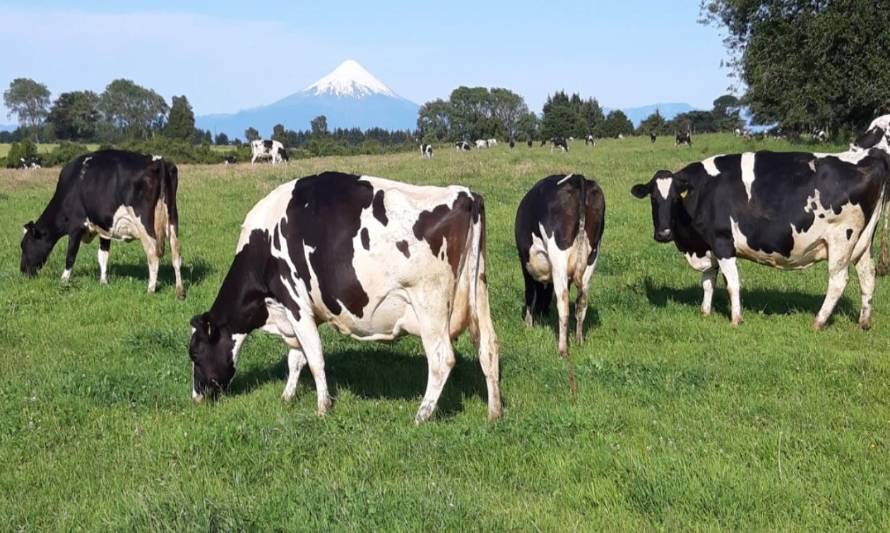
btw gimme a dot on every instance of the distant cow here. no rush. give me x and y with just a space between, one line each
481 144
390 259
590 140
653 137
530 142
230 160
462 146
426 151
620 137
683 137
543 142
785 210
512 144
492 142
29 163
115 195
560 143
559 225
273 150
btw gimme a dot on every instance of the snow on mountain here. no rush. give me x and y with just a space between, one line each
349 97
349 79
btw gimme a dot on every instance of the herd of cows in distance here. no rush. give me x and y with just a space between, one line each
392 258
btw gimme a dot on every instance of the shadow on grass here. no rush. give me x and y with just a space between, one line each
753 300
193 273
377 375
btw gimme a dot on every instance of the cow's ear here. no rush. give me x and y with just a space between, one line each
202 324
29 226
640 190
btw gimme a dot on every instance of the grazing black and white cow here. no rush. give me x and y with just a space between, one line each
115 195
559 225
462 146
274 150
230 160
684 137
481 144
390 259
530 142
785 210
653 137
492 142
590 140
543 142
29 163
426 151
558 143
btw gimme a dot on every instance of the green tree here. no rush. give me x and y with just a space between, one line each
528 127
28 100
319 126
75 115
279 133
221 139
434 121
616 124
181 121
132 111
507 108
653 123
727 110
251 134
809 63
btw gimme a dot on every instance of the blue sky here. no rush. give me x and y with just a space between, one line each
227 55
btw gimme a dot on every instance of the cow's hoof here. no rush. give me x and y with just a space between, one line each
323 407
818 325
287 397
579 338
103 281
180 293
705 312
151 290
423 414
865 325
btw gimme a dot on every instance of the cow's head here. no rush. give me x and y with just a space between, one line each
665 190
37 243
212 350
876 136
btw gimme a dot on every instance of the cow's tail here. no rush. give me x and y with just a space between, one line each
581 239
477 252
161 214
884 256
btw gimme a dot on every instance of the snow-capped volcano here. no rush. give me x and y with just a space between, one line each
350 79
349 97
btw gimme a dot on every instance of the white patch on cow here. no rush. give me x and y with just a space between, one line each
710 165
103 266
664 186
563 180
813 165
267 213
747 165
66 275
157 157
699 264
83 166
125 225
238 340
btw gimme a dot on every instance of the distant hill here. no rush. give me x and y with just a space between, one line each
350 96
667 110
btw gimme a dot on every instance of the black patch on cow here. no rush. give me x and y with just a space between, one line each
268 145
403 247
870 138
849 234
447 223
379 210
366 239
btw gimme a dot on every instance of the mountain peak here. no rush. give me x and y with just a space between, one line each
349 79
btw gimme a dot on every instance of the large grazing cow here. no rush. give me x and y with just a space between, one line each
388 259
274 150
115 195
785 210
559 225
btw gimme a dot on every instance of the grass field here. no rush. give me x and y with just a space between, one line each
680 421
42 148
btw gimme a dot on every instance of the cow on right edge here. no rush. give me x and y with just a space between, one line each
559 225
785 210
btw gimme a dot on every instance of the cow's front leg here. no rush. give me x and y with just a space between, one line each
310 342
104 250
730 271
74 239
865 267
296 360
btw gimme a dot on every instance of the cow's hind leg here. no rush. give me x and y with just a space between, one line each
150 246
865 267
440 361
74 239
708 280
581 302
296 360
487 347
838 273
730 270
104 250
559 262
176 256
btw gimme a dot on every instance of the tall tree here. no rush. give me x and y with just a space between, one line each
132 111
181 121
727 110
434 121
251 134
279 134
809 63
616 123
506 108
221 139
75 115
29 101
319 126
654 123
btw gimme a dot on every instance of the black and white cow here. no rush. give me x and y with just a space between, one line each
492 142
230 160
653 137
29 163
590 140
426 151
683 137
481 144
559 225
274 150
785 210
512 144
390 259
558 143
115 195
462 146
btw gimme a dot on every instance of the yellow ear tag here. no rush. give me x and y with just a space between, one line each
684 194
